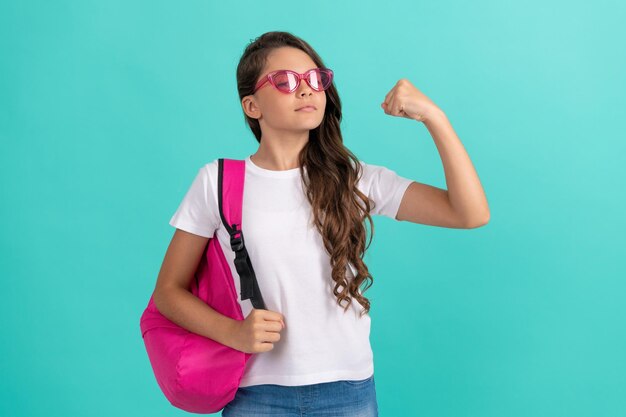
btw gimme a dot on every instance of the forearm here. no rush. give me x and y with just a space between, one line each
465 192
188 311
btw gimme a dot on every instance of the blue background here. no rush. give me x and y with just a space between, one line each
109 108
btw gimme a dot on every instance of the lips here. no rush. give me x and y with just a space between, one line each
307 107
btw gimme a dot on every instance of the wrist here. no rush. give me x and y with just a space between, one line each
231 338
434 116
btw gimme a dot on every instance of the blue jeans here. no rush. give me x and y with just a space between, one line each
336 399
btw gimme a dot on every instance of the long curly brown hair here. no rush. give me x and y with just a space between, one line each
331 176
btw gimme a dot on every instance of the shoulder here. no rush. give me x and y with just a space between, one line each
205 180
371 172
211 167
384 186
370 168
207 173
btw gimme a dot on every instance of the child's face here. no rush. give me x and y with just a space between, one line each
277 110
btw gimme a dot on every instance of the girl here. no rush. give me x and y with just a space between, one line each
306 198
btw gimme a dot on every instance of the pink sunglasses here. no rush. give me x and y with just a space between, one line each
287 81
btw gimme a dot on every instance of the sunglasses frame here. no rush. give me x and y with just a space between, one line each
299 77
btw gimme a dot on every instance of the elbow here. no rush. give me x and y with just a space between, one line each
157 299
160 297
478 222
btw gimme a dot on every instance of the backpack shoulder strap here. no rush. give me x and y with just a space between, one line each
230 184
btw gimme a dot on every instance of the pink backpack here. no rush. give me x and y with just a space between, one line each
198 374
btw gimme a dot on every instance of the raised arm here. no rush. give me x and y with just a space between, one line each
464 204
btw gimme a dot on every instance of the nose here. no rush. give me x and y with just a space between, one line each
304 88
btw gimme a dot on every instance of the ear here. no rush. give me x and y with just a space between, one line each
250 107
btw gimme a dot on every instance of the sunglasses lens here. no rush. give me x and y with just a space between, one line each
321 79
285 81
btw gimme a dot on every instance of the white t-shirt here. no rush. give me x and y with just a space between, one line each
320 343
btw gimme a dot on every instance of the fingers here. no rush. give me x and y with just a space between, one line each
388 97
391 104
276 318
274 326
273 317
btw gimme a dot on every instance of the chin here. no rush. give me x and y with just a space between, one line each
310 124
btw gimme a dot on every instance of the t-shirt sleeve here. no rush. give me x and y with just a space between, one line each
198 212
384 187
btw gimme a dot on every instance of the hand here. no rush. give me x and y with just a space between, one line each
405 100
258 332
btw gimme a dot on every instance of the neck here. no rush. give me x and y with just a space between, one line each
280 153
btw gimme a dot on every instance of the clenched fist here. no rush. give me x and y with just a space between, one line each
259 331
